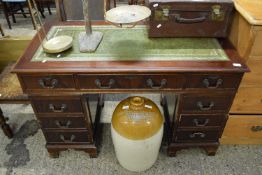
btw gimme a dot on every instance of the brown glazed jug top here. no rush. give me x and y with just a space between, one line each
137 118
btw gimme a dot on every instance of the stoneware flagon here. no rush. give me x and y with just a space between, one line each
137 131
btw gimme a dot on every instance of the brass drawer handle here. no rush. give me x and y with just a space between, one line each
207 83
71 139
63 125
205 108
197 122
197 134
256 128
150 83
62 108
100 86
43 82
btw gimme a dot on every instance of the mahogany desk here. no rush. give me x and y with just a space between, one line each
60 90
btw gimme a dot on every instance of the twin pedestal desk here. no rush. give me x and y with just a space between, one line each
203 73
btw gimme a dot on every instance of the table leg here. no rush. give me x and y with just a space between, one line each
98 128
22 10
1 30
5 127
5 8
53 153
48 7
92 154
211 150
163 102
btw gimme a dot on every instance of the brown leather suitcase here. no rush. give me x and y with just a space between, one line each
190 18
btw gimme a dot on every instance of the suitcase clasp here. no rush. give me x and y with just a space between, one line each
217 13
166 12
216 9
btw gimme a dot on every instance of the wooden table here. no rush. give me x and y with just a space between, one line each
61 90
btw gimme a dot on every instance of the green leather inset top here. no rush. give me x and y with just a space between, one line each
133 44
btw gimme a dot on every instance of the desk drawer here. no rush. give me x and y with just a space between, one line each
197 136
152 82
253 78
48 82
56 105
243 129
202 120
62 121
206 103
213 81
248 101
67 137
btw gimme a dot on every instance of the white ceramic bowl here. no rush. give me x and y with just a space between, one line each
127 14
58 44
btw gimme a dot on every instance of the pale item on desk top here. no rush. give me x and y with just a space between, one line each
251 10
58 44
127 14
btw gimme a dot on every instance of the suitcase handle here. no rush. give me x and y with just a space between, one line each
179 19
